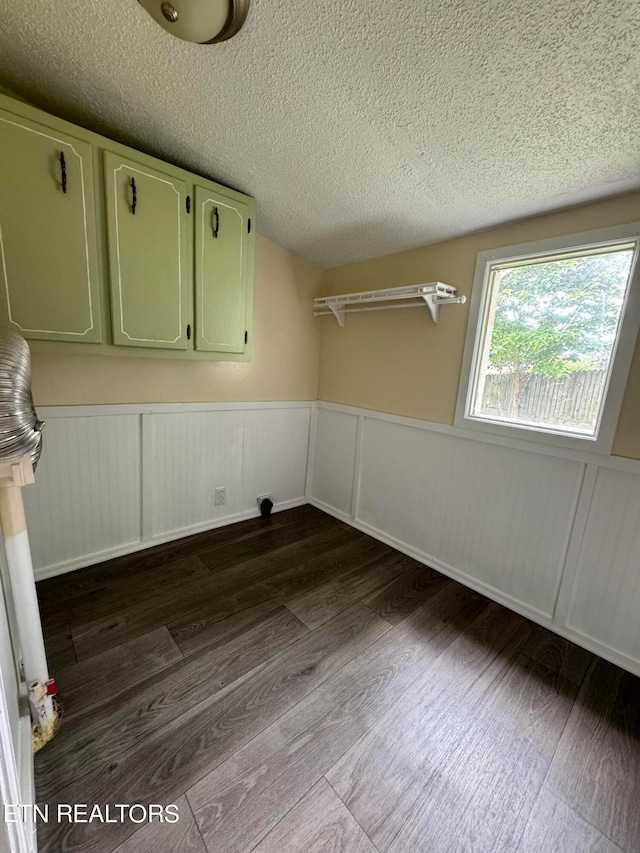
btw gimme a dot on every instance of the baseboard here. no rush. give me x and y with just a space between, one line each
141 545
336 513
531 613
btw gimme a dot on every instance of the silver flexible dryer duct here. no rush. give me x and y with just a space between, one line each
20 429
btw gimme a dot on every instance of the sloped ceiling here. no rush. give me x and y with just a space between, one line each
361 127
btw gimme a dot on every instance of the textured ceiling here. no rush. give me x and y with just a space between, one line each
362 128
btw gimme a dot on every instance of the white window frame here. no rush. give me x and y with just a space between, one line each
623 347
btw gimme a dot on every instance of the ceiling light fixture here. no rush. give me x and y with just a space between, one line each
201 21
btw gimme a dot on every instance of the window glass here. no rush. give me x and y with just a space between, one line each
549 337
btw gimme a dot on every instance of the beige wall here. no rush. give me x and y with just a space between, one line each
395 361
400 362
285 363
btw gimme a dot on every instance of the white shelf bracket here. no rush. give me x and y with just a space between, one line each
432 304
434 301
337 309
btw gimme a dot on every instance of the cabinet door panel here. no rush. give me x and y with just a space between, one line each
48 262
221 272
147 255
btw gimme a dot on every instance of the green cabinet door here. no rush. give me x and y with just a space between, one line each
148 269
48 263
221 266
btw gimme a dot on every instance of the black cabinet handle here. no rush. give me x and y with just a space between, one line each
134 196
188 331
63 171
215 221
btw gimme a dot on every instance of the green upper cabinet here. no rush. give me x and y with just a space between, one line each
48 262
88 225
148 255
222 245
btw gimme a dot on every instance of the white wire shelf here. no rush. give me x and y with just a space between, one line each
433 295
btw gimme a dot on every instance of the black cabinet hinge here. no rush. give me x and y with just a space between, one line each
188 204
249 226
246 337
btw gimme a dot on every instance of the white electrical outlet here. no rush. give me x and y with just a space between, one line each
221 495
261 498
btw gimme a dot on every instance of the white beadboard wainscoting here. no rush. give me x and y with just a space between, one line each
551 533
115 479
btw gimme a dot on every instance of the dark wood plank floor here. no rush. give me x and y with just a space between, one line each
294 685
